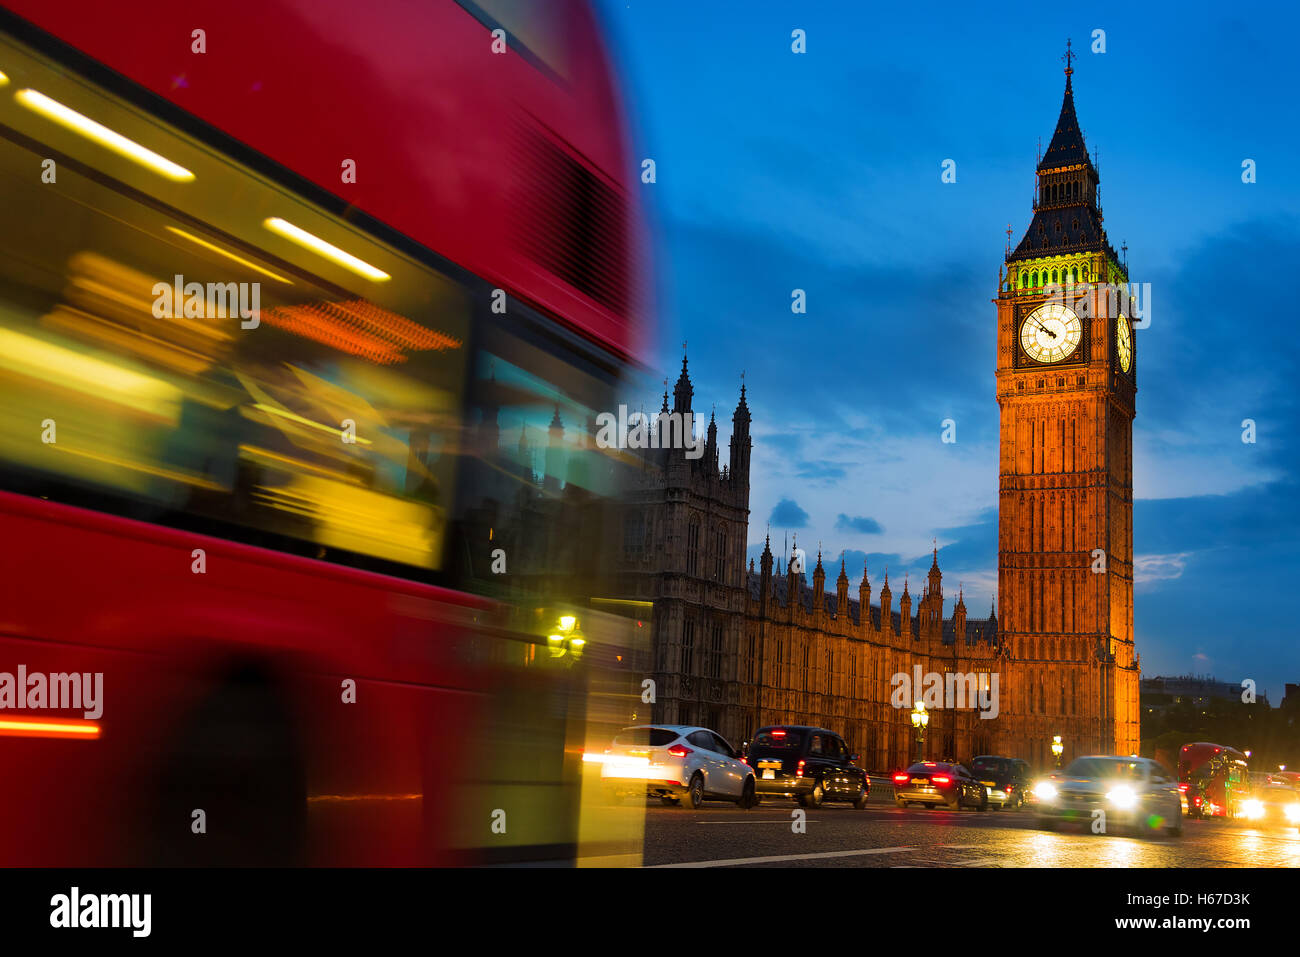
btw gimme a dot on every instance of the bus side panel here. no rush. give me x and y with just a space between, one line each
106 595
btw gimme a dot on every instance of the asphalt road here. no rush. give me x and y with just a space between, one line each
882 835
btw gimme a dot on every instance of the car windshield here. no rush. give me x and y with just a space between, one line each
777 739
653 737
930 766
988 766
1109 768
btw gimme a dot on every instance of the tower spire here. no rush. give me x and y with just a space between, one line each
683 392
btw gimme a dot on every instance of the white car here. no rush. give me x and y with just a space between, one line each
1125 793
680 764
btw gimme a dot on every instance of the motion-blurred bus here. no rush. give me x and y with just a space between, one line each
1213 779
306 313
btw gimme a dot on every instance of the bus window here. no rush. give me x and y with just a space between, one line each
217 353
537 492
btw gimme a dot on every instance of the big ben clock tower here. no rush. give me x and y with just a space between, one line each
1066 384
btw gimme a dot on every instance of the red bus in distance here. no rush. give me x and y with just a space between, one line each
1212 779
306 313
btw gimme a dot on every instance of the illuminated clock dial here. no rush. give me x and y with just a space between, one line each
1124 340
1051 333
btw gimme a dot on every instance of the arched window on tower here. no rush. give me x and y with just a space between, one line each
715 651
720 556
1035 283
1024 280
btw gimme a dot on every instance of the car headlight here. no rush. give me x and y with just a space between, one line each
1045 791
1293 813
1252 809
1123 797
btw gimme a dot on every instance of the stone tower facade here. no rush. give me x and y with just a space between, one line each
1066 387
684 542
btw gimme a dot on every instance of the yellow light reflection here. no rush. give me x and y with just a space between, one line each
295 417
78 123
359 519
198 241
56 365
297 234
46 728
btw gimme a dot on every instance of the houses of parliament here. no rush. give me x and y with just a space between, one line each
737 647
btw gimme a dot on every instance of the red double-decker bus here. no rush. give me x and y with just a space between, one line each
306 312
1212 779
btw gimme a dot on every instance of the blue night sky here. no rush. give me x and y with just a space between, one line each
821 171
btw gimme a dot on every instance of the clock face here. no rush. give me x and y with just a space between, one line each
1124 342
1051 333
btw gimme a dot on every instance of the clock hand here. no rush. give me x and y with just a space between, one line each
1044 328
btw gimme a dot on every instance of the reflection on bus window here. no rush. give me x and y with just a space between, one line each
537 492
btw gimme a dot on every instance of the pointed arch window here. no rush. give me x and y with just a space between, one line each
715 651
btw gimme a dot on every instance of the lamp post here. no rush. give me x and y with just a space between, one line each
1057 748
920 718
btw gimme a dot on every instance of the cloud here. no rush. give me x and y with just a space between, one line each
821 473
1153 568
788 514
859 523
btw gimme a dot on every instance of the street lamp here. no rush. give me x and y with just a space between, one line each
1057 748
920 718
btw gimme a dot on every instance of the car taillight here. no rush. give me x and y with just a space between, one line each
1010 788
900 778
680 751
1182 789
798 772
940 779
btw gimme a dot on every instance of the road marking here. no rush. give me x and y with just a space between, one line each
777 821
777 858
